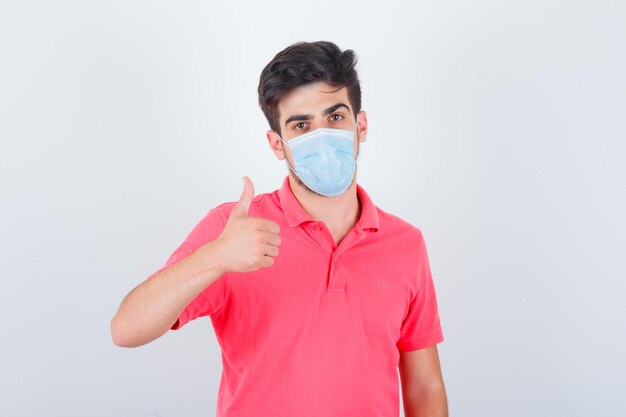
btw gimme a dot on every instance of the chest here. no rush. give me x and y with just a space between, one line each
361 289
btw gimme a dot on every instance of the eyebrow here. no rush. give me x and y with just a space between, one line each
300 117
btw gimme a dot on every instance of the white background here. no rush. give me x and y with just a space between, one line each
497 128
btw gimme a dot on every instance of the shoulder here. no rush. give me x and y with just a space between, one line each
261 204
396 226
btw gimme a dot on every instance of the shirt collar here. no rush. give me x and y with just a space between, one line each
295 214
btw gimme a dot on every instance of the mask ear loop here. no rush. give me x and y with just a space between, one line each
356 130
283 149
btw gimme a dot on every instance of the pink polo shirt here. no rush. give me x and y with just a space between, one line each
319 332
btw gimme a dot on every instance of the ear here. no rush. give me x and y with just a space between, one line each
362 126
273 139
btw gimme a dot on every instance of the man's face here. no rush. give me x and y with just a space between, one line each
310 107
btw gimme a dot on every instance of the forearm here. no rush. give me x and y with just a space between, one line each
426 402
151 308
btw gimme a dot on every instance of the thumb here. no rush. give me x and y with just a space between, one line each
242 206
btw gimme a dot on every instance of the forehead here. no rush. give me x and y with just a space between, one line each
312 99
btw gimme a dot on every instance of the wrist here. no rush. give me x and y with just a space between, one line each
213 258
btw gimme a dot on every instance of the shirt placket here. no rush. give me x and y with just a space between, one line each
336 271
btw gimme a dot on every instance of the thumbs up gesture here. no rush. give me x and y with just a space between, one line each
248 243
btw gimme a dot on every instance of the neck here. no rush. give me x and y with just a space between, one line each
340 213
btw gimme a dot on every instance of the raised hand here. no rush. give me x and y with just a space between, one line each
248 243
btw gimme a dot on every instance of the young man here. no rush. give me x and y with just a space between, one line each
321 327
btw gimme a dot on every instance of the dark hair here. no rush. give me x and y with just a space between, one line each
303 63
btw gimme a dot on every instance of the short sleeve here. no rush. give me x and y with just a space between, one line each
421 327
210 300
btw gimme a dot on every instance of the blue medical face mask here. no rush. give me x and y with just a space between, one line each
324 159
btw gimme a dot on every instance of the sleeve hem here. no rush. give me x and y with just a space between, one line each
182 319
420 343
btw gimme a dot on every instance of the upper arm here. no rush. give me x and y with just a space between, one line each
419 369
208 301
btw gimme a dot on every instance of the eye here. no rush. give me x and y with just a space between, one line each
299 126
335 117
